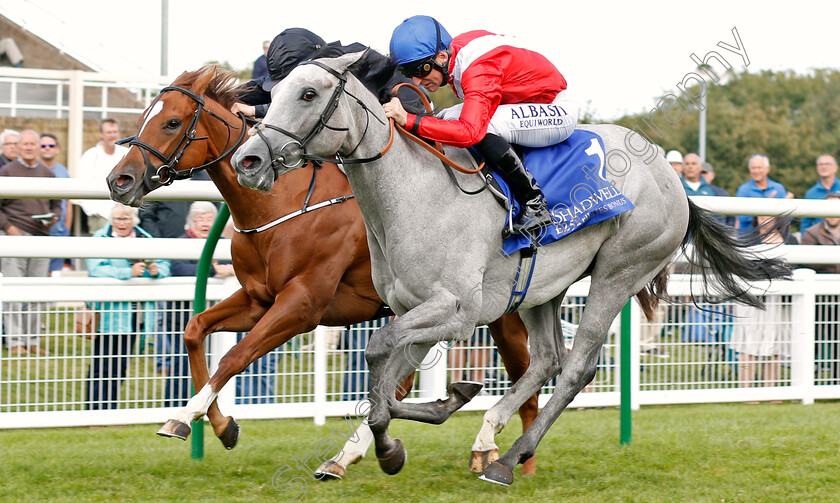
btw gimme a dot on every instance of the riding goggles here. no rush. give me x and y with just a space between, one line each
419 69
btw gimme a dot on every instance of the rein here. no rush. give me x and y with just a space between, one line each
437 150
166 173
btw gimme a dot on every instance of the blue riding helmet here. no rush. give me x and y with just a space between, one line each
415 43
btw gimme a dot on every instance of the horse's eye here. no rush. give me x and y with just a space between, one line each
172 124
309 95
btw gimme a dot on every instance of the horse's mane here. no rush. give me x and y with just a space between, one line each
222 87
374 70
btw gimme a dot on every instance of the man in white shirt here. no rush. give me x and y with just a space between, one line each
96 163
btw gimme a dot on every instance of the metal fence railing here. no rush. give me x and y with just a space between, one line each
135 375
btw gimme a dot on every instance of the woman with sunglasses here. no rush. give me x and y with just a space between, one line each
511 95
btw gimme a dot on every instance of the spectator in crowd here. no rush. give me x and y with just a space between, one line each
96 163
172 360
826 232
827 351
762 337
49 151
119 322
10 49
693 183
760 185
708 174
827 183
9 140
676 159
260 65
168 219
26 217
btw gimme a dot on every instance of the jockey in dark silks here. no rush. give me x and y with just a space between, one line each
294 45
511 95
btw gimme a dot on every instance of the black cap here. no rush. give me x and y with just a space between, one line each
287 50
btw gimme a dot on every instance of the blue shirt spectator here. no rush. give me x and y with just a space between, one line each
760 186
827 184
693 183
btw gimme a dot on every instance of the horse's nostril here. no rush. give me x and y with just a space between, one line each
247 162
123 180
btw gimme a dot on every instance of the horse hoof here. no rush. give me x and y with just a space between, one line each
330 470
393 461
497 473
465 389
480 460
176 429
231 435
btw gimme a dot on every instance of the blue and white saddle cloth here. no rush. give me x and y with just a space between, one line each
572 176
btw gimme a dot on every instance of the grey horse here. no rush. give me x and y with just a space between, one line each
437 261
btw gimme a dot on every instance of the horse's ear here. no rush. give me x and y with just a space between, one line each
203 81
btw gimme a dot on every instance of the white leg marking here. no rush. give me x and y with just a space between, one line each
197 405
486 438
356 447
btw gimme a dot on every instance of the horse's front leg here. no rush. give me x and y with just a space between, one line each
235 313
357 446
394 352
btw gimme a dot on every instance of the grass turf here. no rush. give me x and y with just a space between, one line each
718 452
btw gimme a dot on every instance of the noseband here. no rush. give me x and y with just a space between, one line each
166 173
302 158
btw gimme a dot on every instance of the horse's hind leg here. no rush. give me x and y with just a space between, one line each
234 314
548 355
623 267
511 337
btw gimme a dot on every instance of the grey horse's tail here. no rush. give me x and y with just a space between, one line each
723 258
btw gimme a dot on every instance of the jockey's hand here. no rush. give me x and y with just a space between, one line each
247 110
394 110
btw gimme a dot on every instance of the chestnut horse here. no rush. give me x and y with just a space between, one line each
313 269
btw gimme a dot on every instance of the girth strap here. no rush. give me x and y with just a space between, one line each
527 260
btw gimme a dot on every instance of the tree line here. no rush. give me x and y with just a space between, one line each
789 117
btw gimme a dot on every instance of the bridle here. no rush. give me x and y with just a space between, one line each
298 144
302 158
166 173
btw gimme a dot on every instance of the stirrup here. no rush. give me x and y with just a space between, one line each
532 222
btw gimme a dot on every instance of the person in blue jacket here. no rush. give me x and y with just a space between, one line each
119 321
760 185
827 184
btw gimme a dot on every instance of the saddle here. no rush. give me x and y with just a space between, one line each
572 176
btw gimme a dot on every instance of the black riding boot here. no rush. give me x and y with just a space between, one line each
534 214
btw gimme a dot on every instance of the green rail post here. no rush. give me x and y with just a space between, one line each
626 413
199 304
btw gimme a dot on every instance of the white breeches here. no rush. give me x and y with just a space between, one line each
529 124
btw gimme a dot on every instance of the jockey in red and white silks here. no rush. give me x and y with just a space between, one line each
511 95
507 90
